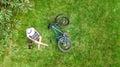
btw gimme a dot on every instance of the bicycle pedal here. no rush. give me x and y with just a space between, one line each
51 40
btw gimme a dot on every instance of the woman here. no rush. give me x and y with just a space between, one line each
33 35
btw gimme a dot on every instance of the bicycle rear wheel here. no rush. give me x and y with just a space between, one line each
64 48
62 21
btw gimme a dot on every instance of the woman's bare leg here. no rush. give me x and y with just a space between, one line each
38 46
40 38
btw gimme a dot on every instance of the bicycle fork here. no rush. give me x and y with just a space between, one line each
64 40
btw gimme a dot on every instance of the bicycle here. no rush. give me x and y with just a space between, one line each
64 42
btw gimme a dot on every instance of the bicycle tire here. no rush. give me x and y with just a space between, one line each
62 21
69 44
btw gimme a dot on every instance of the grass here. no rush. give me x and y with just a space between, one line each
94 31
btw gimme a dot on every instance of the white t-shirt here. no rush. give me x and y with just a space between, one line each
32 33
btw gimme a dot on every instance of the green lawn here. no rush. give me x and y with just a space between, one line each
94 31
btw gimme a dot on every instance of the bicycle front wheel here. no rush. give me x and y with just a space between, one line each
62 21
64 48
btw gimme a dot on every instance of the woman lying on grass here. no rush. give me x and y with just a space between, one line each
33 35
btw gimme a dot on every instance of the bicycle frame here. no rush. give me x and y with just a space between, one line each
57 31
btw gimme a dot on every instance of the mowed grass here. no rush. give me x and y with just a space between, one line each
94 31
